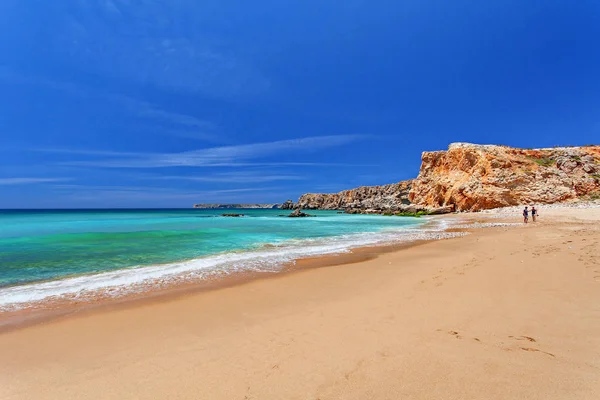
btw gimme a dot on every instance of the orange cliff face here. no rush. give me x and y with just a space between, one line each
470 177
476 177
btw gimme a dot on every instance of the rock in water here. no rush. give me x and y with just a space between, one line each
297 213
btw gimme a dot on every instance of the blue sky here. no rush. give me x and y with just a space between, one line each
156 103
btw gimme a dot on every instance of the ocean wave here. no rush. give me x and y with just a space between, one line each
270 257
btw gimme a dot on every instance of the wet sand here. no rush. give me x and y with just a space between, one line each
504 313
49 310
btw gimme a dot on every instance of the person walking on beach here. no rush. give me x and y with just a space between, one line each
533 213
525 215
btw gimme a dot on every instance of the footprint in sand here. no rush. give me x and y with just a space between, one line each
528 338
538 350
455 334
458 336
530 349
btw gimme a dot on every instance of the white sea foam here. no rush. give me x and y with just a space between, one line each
479 225
266 259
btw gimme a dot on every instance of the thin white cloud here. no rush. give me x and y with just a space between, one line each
116 193
85 152
149 189
78 187
30 181
148 110
182 125
200 134
160 44
111 8
222 156
236 177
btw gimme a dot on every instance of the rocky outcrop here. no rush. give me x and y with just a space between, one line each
470 177
403 208
297 213
234 206
287 205
387 197
475 177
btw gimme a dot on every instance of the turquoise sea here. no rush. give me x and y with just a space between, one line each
48 254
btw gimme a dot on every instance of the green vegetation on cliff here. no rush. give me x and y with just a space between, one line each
417 214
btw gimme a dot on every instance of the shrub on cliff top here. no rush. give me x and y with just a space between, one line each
418 214
544 161
407 214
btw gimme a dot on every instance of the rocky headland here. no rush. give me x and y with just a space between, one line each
470 177
365 197
233 206
478 177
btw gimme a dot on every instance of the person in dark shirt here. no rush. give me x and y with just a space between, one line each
534 213
525 215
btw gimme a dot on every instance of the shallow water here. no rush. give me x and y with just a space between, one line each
52 253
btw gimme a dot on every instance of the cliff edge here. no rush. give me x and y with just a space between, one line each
471 177
475 177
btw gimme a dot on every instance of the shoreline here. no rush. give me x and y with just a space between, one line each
49 310
50 306
480 316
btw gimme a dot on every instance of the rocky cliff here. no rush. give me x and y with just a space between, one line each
287 205
469 177
475 177
384 197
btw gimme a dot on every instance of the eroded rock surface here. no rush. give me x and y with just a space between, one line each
470 177
287 205
476 177
385 197
297 213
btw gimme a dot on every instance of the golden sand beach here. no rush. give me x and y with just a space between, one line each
510 312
